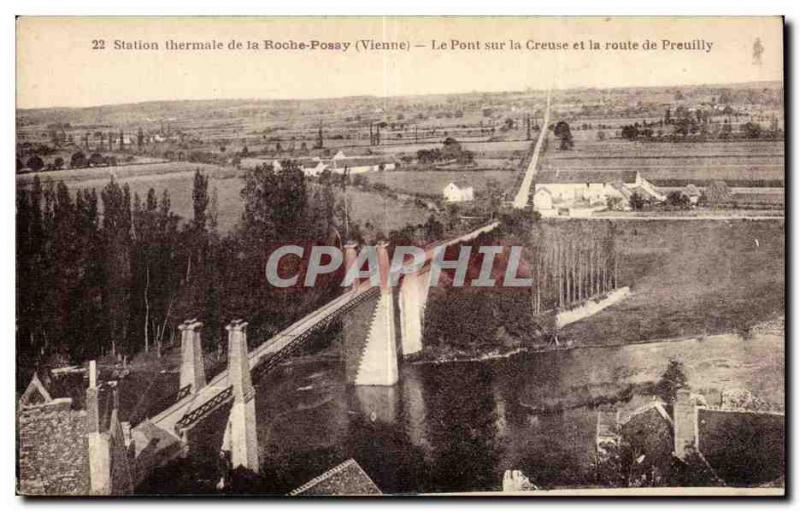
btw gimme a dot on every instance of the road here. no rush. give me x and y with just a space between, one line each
523 194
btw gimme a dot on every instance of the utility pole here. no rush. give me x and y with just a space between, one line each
528 126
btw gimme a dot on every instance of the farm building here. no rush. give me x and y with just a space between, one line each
577 189
340 163
692 193
455 193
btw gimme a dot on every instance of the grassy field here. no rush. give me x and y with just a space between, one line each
434 181
740 163
691 278
94 175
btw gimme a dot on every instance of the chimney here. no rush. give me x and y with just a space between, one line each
685 423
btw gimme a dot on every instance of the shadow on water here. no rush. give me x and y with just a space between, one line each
457 427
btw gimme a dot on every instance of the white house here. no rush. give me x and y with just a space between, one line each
454 193
582 189
360 164
315 170
341 163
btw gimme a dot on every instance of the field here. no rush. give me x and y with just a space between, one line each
691 278
676 164
383 213
432 182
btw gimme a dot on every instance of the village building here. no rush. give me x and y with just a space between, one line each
455 193
692 193
737 445
579 193
340 163
71 439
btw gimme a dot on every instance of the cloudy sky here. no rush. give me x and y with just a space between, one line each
57 65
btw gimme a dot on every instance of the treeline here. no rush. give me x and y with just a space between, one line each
116 273
699 125
572 265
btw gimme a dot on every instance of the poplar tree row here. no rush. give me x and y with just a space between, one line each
116 273
572 263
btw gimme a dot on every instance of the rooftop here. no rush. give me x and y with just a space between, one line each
585 176
345 479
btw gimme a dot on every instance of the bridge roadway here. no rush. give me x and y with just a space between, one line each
169 418
523 194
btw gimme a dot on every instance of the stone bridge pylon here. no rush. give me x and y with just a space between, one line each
240 434
240 438
381 330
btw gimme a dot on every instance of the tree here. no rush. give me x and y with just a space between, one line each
671 381
35 163
116 233
96 160
77 160
563 132
751 130
614 202
494 194
451 149
637 202
717 193
678 199
629 132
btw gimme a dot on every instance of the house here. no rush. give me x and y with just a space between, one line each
72 446
455 193
361 164
692 193
542 199
341 163
588 190
736 445
315 170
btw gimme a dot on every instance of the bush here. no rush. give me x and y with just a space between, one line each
35 163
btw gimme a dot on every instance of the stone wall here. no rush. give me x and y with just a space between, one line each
685 421
53 451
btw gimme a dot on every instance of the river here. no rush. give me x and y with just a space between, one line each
458 426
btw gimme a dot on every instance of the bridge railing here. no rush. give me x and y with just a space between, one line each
268 363
160 405
192 417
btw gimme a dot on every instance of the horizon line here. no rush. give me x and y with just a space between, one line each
398 96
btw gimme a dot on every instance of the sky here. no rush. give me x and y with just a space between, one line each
58 67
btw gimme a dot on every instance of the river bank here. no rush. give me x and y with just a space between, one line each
772 326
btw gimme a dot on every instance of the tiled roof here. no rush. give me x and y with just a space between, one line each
585 176
743 448
345 479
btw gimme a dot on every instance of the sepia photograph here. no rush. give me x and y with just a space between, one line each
400 256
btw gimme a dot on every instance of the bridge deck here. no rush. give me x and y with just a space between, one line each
170 417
